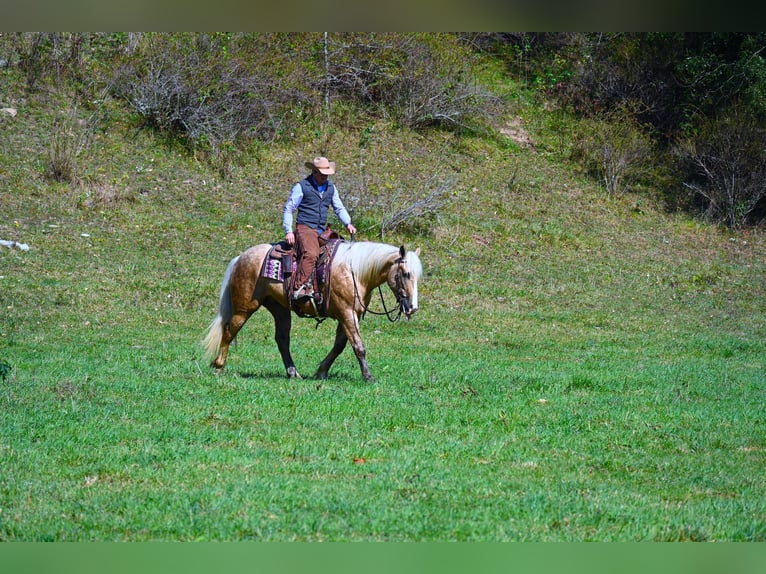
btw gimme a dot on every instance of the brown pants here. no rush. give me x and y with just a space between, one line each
307 249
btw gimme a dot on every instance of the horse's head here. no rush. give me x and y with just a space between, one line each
403 280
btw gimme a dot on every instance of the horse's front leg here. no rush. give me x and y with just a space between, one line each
340 343
282 326
350 325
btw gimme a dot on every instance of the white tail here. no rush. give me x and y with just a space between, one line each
212 341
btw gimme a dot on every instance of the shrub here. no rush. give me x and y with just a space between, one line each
48 55
399 208
418 80
724 164
69 138
615 149
385 198
212 89
217 89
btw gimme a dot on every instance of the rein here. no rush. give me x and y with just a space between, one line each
366 309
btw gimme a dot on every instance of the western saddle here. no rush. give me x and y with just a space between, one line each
280 265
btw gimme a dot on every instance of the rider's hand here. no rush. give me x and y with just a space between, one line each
290 237
351 228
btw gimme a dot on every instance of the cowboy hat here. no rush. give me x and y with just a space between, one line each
322 165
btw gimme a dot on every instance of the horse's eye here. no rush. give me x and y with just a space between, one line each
406 274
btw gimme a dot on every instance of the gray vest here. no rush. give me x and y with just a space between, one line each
313 208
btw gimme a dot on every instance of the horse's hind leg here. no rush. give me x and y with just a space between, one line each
282 326
340 343
230 331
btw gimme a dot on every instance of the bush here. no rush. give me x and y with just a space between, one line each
69 138
724 164
399 208
417 80
48 55
615 149
215 90
212 89
383 198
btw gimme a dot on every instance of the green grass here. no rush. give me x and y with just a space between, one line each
577 371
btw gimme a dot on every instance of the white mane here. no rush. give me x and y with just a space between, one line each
367 258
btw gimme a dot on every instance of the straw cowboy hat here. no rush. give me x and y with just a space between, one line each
322 165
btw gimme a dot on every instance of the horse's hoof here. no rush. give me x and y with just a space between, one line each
292 373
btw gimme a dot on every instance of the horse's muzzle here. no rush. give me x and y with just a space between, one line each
407 308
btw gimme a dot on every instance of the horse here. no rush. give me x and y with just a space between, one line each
357 269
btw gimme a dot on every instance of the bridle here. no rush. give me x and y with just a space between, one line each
402 300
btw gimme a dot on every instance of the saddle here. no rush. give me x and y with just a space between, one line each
280 265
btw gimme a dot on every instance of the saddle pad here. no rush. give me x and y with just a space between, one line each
272 269
273 265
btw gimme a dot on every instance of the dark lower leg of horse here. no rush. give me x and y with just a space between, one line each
340 343
362 358
350 326
282 326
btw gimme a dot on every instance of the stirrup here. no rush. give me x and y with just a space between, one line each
305 306
303 292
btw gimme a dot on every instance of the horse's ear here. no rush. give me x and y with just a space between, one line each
417 251
402 251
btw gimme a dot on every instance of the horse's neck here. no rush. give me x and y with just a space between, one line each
378 274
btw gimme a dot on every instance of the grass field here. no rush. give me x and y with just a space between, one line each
583 367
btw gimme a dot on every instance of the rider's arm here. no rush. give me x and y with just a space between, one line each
340 209
292 203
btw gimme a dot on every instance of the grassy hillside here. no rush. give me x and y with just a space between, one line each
583 367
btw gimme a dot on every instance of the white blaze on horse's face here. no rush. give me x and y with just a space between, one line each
405 284
413 298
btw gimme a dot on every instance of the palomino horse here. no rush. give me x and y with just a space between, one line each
357 269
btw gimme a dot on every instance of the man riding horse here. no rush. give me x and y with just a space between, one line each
312 197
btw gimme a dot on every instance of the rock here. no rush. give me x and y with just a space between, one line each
16 244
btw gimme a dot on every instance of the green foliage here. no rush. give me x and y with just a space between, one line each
416 80
217 88
722 70
615 149
217 93
674 84
205 87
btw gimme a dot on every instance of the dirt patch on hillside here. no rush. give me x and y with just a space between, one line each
515 130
